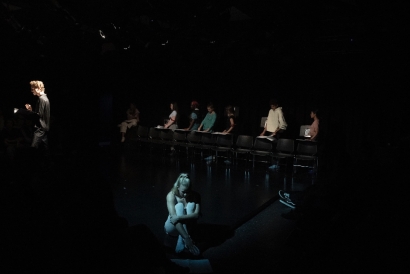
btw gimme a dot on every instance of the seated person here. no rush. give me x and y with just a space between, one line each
132 120
208 123
314 127
183 208
194 116
230 121
173 117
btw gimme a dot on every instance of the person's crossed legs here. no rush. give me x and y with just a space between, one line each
170 228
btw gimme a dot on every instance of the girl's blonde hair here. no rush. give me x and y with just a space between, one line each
183 179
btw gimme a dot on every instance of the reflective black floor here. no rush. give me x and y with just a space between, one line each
64 215
231 193
68 210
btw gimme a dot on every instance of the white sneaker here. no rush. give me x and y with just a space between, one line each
283 195
288 203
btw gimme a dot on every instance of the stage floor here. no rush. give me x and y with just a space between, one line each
231 193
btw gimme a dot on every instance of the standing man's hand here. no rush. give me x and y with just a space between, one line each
28 107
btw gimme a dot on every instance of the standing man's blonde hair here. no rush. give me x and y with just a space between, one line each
37 84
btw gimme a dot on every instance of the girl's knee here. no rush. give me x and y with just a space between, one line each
190 206
179 207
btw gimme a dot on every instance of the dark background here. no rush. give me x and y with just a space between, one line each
347 58
344 57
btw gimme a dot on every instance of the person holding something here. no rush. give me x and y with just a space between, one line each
314 127
275 124
42 110
230 124
172 122
208 123
194 116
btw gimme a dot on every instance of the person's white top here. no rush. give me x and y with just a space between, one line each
275 120
173 115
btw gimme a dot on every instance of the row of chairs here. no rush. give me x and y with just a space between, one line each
305 154
245 146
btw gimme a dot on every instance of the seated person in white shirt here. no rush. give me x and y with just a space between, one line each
132 120
173 117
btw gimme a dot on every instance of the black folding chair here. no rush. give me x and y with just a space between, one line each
307 153
154 137
262 148
207 142
284 150
180 138
243 145
223 143
193 141
167 138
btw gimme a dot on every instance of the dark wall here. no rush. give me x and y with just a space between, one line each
355 85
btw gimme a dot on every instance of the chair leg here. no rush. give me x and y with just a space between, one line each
268 164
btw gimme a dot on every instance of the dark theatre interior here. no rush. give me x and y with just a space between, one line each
92 203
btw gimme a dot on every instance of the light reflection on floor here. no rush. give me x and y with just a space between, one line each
229 192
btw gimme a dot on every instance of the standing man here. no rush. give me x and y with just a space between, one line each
42 109
275 124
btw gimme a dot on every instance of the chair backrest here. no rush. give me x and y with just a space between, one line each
142 132
307 148
263 121
166 135
262 144
285 145
224 140
153 133
207 139
179 136
244 141
194 137
303 129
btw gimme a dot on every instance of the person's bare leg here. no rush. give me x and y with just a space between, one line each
179 209
190 208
